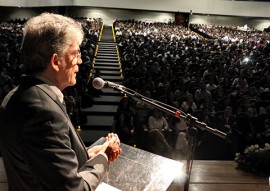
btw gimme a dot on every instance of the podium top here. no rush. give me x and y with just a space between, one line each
137 169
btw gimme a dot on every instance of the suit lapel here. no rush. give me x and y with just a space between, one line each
46 89
74 135
76 142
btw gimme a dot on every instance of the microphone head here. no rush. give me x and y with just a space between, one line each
98 83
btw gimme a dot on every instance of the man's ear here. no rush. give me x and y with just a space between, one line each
54 62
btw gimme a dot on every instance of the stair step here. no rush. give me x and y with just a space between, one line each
106 67
112 46
115 60
115 64
106 54
106 72
98 122
106 59
112 78
105 47
111 91
107 99
106 43
116 74
112 51
112 57
101 109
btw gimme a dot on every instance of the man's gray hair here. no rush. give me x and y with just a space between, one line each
45 35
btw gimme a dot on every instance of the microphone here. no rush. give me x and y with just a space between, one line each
99 83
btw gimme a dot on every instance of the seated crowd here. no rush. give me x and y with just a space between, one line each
221 77
223 82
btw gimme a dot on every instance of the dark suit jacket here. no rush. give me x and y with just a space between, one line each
40 147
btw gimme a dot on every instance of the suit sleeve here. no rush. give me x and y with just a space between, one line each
47 148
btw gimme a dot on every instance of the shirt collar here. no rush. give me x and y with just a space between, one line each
58 92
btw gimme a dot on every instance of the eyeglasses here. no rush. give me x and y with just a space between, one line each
78 56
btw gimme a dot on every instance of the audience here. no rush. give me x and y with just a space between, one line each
224 68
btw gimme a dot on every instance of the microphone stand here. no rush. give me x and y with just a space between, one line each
192 125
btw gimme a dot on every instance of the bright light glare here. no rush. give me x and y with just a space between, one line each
246 59
174 170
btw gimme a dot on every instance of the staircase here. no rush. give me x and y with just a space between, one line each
100 116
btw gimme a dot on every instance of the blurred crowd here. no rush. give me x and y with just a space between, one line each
220 75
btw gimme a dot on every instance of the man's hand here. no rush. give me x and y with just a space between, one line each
113 150
94 151
111 147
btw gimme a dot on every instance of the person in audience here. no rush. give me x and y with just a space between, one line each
189 106
226 120
40 147
202 94
180 141
157 127
157 121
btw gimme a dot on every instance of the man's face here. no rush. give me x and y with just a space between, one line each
68 67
